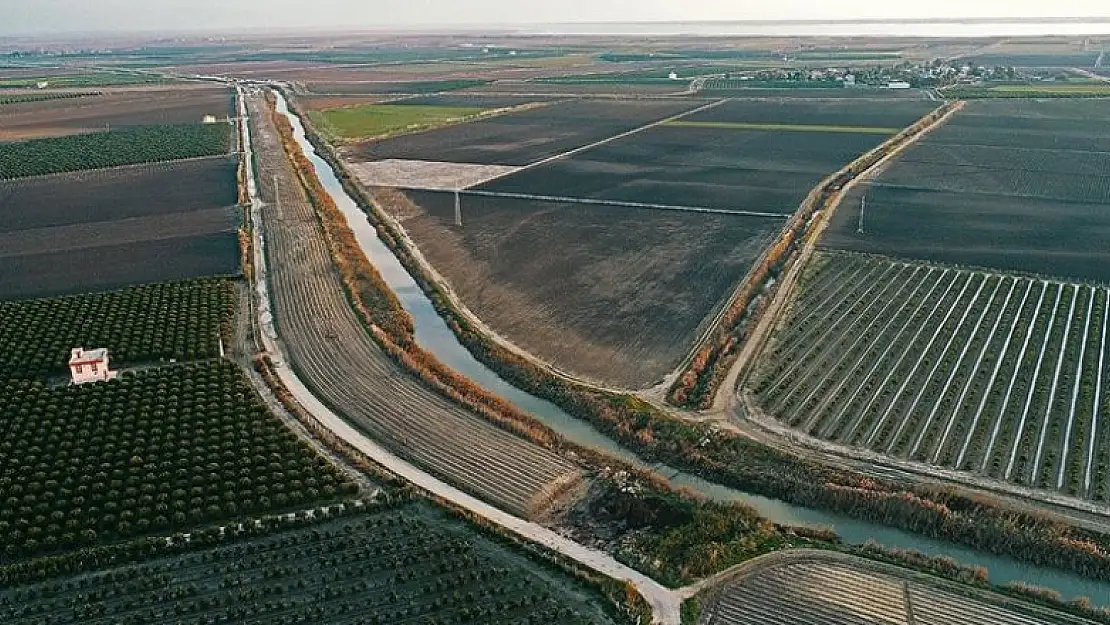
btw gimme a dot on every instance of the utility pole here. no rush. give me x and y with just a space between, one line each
862 207
458 209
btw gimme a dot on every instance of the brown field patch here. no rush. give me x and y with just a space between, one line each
613 294
112 108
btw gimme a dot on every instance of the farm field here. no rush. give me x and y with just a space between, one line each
742 156
896 115
374 86
105 229
408 563
157 322
523 137
372 120
334 354
834 592
995 375
506 87
731 89
155 451
144 255
1033 90
130 146
615 294
117 193
1006 184
111 108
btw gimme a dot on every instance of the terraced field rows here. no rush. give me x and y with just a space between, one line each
813 591
994 374
334 354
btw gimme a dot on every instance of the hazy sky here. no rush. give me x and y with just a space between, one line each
46 16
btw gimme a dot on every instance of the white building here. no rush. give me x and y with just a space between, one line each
898 84
89 365
209 119
673 76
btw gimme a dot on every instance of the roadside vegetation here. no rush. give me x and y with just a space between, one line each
160 450
128 146
375 120
140 325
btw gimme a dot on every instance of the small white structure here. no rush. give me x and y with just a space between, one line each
89 365
673 76
209 119
42 84
898 84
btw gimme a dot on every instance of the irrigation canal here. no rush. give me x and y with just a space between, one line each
433 335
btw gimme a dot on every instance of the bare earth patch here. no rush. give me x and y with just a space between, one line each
427 175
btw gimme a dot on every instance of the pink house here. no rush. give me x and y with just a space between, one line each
89 365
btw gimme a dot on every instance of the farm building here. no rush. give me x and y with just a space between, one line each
89 365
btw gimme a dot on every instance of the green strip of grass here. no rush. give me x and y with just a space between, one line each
869 130
373 120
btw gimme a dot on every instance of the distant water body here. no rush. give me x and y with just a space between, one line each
866 28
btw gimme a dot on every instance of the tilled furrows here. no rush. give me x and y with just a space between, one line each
331 349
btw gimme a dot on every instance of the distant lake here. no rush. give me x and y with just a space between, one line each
865 28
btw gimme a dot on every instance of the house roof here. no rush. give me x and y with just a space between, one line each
79 355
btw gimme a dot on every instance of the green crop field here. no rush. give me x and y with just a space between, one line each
157 451
373 120
178 320
867 130
390 563
130 146
1034 90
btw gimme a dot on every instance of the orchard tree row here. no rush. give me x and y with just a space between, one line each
161 450
156 322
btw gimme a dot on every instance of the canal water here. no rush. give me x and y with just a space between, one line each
433 335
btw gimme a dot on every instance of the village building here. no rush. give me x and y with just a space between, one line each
89 365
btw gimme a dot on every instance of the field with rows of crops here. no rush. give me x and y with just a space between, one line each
95 230
399 563
337 358
48 113
160 450
138 325
127 146
992 374
843 591
1019 185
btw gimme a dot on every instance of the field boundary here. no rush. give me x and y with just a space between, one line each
617 137
725 392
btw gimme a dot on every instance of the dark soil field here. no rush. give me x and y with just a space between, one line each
472 100
873 94
148 258
613 294
118 193
1009 185
897 114
524 137
114 108
762 171
98 230
627 89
